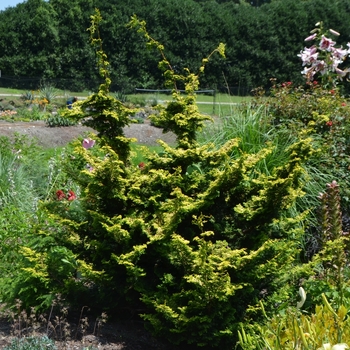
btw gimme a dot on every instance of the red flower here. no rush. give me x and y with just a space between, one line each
60 195
329 123
343 104
332 92
287 83
141 165
71 195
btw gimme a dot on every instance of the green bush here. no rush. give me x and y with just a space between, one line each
194 237
325 116
310 106
58 120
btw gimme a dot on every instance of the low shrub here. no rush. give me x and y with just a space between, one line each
57 121
32 343
192 238
31 113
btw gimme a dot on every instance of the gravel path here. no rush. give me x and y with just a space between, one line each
48 137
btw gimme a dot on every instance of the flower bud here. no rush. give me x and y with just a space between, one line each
334 32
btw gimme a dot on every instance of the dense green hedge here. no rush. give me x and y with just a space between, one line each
48 40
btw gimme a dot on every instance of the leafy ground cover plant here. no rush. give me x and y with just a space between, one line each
57 120
32 343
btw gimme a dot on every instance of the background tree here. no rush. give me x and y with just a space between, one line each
48 39
29 39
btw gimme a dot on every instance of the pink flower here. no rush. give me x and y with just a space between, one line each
326 44
309 72
343 104
309 55
88 143
311 37
321 67
71 195
339 54
340 72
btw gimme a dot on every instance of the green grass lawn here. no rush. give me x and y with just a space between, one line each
220 104
60 92
218 98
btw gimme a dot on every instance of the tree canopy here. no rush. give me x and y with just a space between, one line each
48 40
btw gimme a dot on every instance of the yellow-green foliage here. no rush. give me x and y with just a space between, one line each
192 237
101 111
294 330
181 115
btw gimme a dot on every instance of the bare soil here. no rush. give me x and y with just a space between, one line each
122 335
49 137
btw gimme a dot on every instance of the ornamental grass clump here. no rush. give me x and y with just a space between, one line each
48 93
